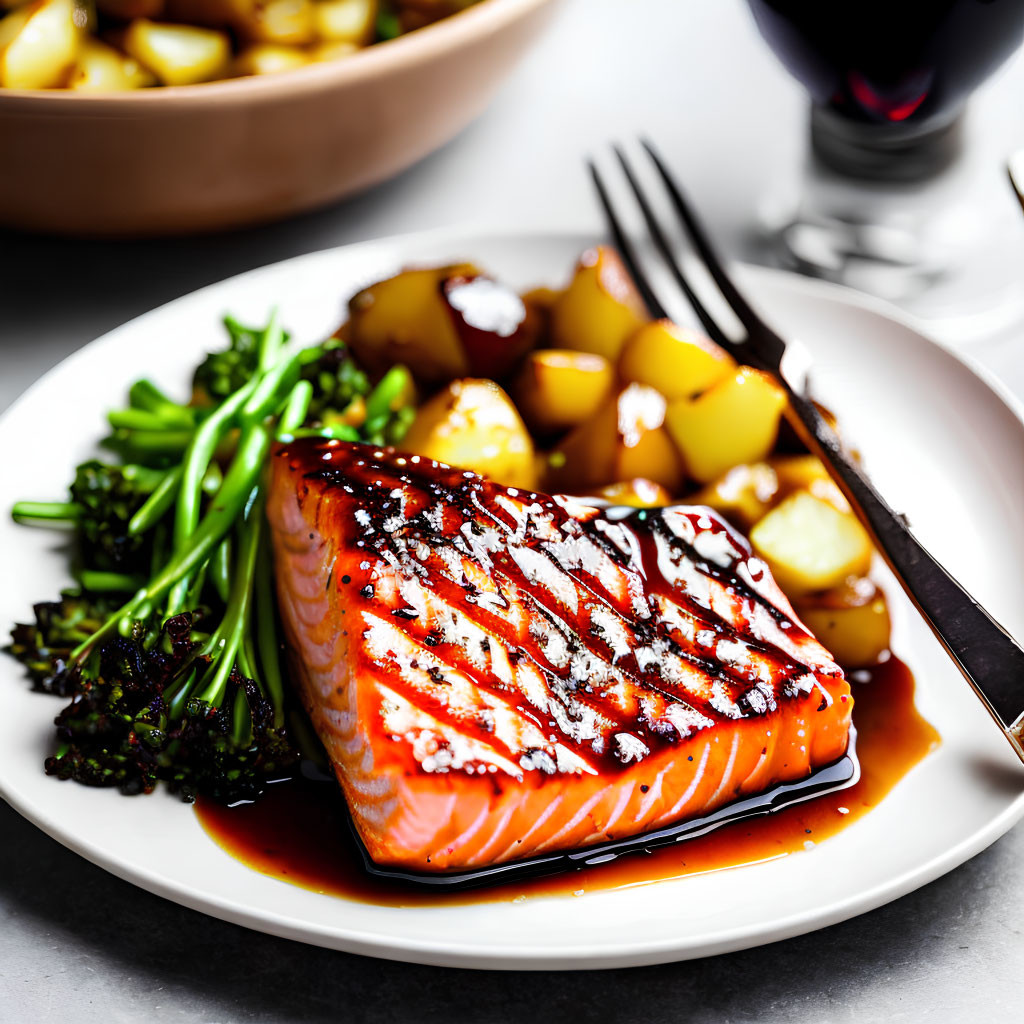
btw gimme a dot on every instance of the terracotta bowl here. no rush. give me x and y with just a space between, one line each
226 154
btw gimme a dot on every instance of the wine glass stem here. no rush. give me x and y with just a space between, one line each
884 152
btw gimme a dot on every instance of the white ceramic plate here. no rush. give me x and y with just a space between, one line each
943 443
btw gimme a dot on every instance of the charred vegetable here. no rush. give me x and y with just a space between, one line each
169 647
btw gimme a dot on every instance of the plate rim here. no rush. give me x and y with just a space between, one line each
445 952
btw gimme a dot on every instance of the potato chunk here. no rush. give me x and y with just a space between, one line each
557 389
735 421
38 45
679 362
743 494
128 9
600 309
624 439
810 545
496 328
287 22
807 473
269 59
474 425
851 620
213 13
101 68
346 21
637 493
178 54
405 319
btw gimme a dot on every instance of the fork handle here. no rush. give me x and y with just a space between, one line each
989 658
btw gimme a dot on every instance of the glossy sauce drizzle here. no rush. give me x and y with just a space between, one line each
297 832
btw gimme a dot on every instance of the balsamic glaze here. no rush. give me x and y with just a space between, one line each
297 832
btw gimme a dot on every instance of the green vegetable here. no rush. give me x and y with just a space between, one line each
171 648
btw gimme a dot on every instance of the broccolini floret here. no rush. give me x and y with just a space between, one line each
169 649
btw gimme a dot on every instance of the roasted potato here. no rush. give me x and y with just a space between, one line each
39 44
286 22
405 319
638 493
600 309
851 620
474 425
212 13
269 58
496 328
735 421
743 494
810 545
625 439
101 68
679 362
557 389
178 54
443 323
128 9
331 51
345 21
807 473
263 36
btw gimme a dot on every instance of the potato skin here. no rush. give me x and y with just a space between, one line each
557 389
496 328
405 319
601 309
473 424
636 493
678 361
39 44
851 620
625 438
734 422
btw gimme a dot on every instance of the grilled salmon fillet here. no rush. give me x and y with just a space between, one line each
497 674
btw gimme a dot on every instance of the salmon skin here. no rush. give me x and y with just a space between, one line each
498 674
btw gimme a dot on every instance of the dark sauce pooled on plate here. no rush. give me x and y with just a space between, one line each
298 832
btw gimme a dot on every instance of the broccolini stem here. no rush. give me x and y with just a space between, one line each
231 499
271 341
295 409
336 432
266 632
148 443
388 395
46 511
197 460
144 394
264 398
220 569
143 419
109 582
236 617
156 505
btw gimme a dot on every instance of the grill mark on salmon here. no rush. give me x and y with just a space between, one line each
497 673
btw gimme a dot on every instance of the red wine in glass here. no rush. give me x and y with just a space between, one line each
889 78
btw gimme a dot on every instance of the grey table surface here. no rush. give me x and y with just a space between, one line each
79 945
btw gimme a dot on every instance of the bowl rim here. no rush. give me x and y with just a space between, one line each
376 61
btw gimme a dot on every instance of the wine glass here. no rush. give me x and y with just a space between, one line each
891 200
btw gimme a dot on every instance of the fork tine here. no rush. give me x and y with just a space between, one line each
625 247
744 313
662 243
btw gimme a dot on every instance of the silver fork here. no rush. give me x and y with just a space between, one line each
989 658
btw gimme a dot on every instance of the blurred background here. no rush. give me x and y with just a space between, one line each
697 77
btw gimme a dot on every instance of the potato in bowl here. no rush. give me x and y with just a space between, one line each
227 152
